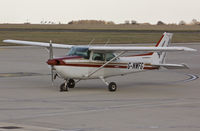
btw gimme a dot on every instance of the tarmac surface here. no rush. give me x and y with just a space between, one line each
153 100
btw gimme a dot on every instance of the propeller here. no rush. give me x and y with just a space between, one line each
51 57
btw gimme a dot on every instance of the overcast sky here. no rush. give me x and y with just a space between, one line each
169 11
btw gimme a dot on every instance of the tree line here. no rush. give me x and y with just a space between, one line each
126 22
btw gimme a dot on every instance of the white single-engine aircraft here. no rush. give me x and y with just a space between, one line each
100 62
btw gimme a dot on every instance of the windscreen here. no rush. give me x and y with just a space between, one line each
80 51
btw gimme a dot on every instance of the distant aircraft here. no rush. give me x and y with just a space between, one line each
101 62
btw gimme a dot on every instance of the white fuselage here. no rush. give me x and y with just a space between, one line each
81 68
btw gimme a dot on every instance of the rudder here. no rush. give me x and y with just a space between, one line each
165 40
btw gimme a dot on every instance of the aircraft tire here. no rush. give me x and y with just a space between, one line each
112 87
71 83
63 87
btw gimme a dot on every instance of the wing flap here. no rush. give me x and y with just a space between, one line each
43 44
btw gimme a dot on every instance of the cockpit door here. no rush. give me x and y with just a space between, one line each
97 59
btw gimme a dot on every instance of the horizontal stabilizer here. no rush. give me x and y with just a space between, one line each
172 66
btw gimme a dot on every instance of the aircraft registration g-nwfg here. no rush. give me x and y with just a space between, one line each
101 62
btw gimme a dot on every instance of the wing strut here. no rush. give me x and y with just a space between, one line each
98 69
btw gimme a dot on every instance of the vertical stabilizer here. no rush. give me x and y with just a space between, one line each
165 40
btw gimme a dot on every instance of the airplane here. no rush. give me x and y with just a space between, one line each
101 62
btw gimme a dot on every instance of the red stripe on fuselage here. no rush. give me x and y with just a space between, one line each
69 57
60 62
107 66
92 65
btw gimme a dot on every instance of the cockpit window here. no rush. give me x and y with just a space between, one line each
109 56
98 56
80 51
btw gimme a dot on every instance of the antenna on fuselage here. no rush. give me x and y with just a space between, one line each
108 41
91 42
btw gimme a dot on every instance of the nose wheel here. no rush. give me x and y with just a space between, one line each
63 87
68 84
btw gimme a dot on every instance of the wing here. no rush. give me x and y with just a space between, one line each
132 48
103 48
43 44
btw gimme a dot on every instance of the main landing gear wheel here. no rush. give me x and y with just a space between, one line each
63 87
112 87
71 83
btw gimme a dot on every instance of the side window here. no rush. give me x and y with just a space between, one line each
109 56
98 56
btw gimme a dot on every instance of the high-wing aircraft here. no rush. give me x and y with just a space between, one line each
101 62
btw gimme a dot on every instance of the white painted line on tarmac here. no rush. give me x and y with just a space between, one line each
192 78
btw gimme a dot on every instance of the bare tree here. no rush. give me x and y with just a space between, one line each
160 23
195 22
133 22
127 22
182 22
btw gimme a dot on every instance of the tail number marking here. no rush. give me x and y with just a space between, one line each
139 66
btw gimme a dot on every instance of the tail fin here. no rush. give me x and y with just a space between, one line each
165 40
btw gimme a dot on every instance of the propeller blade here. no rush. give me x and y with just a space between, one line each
52 76
50 50
51 57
